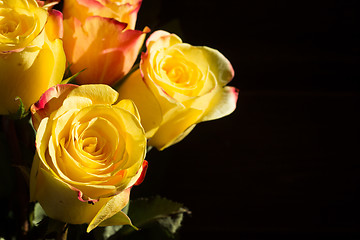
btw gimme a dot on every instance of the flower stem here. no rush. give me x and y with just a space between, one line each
21 193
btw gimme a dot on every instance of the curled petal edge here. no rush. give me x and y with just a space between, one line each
54 26
49 101
143 173
224 104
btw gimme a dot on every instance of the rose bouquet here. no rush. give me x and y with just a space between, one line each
81 102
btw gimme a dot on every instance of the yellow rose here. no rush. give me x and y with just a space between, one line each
90 149
124 11
31 54
178 86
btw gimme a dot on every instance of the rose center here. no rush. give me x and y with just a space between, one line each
90 145
15 25
176 71
9 26
176 74
9 21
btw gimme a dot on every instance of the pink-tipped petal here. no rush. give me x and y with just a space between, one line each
49 101
103 47
156 35
56 30
40 3
223 104
90 3
83 198
137 5
122 11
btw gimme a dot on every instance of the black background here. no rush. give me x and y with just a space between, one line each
285 164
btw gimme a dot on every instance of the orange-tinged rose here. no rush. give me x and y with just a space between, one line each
32 58
178 86
124 11
89 149
102 47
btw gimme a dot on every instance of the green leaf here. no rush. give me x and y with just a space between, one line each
171 223
21 112
146 212
110 231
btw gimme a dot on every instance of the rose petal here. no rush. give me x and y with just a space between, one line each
175 124
103 47
54 26
129 106
49 101
63 198
145 101
143 173
122 12
223 104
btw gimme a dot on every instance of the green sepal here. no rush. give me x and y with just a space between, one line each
38 214
67 72
118 83
72 78
106 232
21 112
